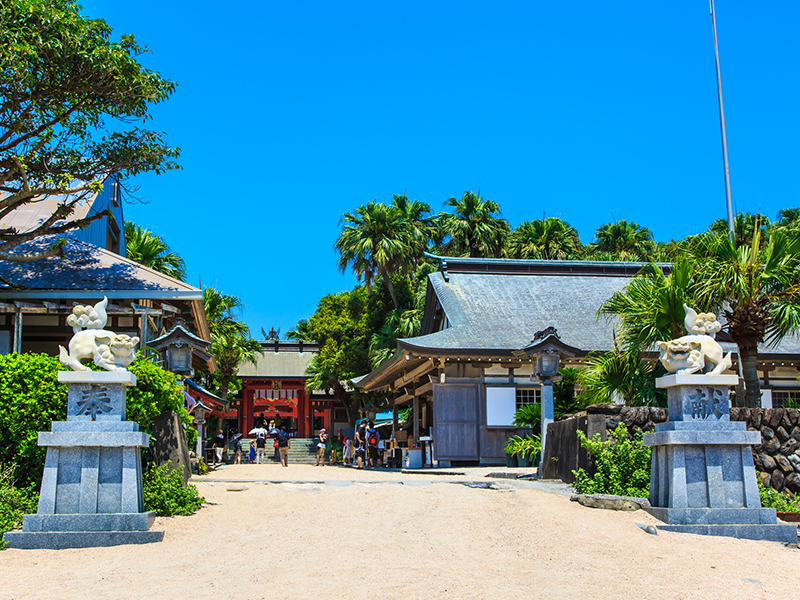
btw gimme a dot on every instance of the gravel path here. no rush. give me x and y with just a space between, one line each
430 540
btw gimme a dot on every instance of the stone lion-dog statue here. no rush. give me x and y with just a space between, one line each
698 351
110 351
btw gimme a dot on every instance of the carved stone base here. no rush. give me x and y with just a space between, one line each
702 477
59 540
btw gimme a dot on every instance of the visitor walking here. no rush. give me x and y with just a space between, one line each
373 437
284 444
252 456
347 451
238 450
219 445
323 441
361 444
261 443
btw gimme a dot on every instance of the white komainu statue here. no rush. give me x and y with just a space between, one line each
698 351
108 350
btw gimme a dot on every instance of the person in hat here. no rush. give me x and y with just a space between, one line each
323 442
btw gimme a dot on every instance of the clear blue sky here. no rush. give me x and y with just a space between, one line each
289 114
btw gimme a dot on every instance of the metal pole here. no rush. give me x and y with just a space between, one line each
722 126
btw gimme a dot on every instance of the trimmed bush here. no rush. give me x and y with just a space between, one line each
167 495
623 465
30 398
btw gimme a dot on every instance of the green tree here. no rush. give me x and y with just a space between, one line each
474 229
148 249
376 240
231 343
623 238
421 225
341 327
760 290
650 307
300 331
62 83
744 226
789 218
547 239
621 374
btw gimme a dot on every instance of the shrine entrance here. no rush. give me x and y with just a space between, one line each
284 401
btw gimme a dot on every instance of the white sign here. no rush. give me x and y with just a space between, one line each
501 404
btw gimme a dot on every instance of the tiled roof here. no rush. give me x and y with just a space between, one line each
503 312
277 364
87 267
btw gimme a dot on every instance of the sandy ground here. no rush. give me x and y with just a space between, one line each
405 540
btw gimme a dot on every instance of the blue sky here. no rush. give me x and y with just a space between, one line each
290 114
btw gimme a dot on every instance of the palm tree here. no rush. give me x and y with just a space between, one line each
623 374
475 228
421 224
219 309
788 218
231 343
650 308
230 351
148 249
760 290
300 332
744 226
549 238
376 241
623 237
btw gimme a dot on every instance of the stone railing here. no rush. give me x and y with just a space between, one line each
777 458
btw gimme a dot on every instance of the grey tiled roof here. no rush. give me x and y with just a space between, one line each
278 364
503 312
87 267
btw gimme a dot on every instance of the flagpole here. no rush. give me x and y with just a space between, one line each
728 198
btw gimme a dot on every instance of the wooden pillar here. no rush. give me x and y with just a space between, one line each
415 416
249 409
303 406
394 417
242 407
329 427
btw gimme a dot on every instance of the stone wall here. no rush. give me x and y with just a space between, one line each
777 458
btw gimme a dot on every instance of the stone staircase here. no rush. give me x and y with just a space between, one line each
302 452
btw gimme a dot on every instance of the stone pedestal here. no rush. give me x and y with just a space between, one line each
702 477
91 492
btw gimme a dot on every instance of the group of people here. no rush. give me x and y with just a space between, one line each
364 447
282 443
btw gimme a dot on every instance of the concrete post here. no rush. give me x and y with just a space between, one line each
548 415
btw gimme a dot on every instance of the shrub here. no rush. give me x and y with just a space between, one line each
167 495
156 390
530 445
528 415
623 465
780 501
14 502
30 398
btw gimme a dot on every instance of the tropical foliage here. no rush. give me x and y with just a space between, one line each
148 249
759 288
474 228
71 100
622 463
548 239
621 375
231 344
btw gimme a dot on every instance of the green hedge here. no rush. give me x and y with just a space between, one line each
31 397
14 502
166 494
